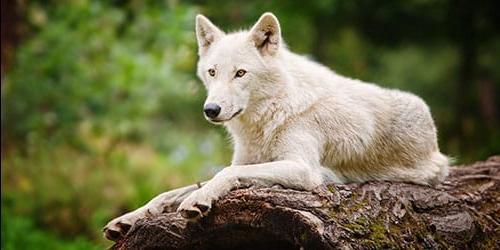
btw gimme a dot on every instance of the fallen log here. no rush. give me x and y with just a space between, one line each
463 212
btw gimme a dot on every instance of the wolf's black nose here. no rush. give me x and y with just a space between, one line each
211 110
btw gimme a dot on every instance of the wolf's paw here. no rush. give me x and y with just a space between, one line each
195 206
118 227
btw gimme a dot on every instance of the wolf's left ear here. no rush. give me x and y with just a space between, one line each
266 34
206 33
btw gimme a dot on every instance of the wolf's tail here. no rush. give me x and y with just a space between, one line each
442 162
430 171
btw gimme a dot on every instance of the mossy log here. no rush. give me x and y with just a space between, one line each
462 213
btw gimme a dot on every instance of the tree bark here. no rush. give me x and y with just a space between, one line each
463 212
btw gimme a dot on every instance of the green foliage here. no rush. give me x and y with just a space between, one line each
20 233
89 61
101 113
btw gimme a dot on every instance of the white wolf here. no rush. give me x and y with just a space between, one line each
297 124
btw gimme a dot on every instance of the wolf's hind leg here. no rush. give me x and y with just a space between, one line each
165 202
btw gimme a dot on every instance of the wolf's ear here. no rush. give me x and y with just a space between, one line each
266 34
206 33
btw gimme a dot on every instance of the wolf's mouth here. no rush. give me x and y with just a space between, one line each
225 120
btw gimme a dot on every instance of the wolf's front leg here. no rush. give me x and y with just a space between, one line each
288 174
165 202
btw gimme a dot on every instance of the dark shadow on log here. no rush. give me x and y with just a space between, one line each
463 212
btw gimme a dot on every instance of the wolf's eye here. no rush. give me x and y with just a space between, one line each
211 72
240 73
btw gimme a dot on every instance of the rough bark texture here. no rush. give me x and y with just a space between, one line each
463 212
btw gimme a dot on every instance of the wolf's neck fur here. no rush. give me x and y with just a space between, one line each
291 91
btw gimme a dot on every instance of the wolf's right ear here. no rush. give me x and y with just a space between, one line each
206 33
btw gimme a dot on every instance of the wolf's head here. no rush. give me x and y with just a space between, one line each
237 68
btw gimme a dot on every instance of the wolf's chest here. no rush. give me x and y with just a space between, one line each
255 150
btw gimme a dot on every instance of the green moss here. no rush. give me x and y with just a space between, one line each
354 227
357 206
362 220
379 236
378 232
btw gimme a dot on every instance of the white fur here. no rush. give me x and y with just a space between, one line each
301 124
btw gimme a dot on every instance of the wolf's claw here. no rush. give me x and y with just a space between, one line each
111 234
190 214
119 227
195 206
203 208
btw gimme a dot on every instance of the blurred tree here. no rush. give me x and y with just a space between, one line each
11 32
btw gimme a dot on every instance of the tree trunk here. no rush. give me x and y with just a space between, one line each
463 212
